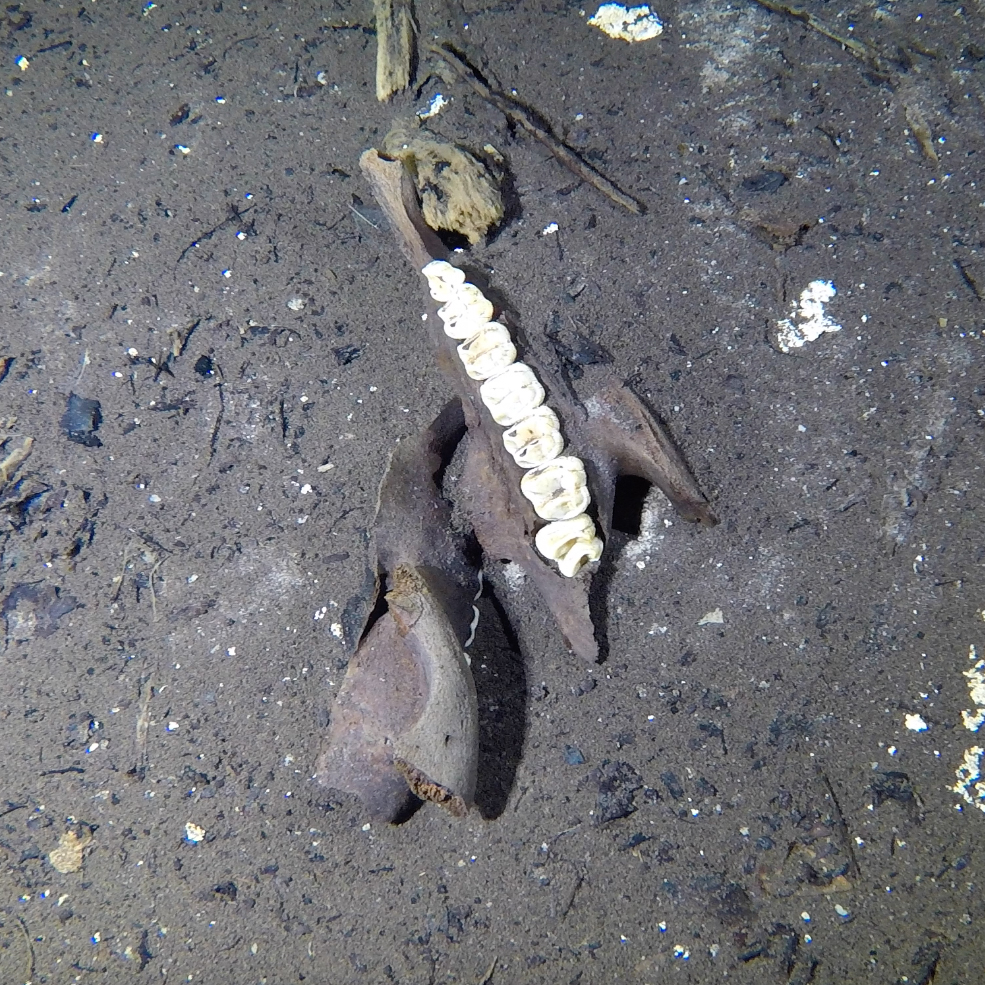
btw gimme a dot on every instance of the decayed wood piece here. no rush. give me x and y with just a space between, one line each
613 434
458 191
394 46
405 719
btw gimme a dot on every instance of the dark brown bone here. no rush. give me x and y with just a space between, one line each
615 435
406 718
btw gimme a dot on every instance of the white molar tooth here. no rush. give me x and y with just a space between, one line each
468 297
536 440
512 394
488 352
443 279
465 312
570 543
460 323
557 490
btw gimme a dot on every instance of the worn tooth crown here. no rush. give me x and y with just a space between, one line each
465 312
555 484
570 543
557 490
488 352
512 394
536 439
443 280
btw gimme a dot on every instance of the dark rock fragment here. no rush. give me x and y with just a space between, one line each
618 782
81 420
764 182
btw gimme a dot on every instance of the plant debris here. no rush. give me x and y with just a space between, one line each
394 47
530 121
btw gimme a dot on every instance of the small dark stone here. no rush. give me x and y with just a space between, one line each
706 788
346 354
204 367
81 420
227 889
707 884
618 782
735 909
180 115
787 730
33 609
892 785
454 921
573 756
767 181
765 843
673 785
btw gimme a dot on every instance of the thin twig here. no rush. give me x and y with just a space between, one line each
123 571
520 114
153 595
860 49
490 971
364 218
29 971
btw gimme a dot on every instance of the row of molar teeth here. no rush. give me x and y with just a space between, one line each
555 484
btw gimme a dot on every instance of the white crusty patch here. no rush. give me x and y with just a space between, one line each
808 320
627 23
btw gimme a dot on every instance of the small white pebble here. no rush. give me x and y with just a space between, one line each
713 618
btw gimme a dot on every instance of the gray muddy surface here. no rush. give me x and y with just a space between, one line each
210 336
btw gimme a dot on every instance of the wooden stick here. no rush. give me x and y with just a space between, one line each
394 46
519 114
